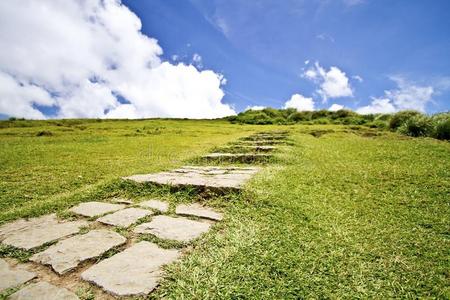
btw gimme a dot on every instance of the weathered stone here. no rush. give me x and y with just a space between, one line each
67 254
238 157
38 231
155 204
125 217
22 224
10 278
178 229
43 291
204 177
135 271
93 209
198 211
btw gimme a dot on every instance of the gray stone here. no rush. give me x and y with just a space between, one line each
155 204
93 209
198 211
11 228
238 157
178 229
205 177
125 217
36 232
67 254
10 278
43 291
135 271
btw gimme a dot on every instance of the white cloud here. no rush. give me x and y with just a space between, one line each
300 103
336 107
377 106
407 95
325 37
333 83
175 57
357 77
255 107
198 61
77 55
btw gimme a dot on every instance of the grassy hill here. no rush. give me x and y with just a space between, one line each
345 212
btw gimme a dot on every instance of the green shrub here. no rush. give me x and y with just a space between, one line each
418 125
378 124
442 126
401 117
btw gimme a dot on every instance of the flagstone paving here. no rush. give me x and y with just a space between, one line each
178 229
13 277
155 204
67 254
135 271
43 291
93 209
237 157
125 217
138 269
205 177
38 231
198 211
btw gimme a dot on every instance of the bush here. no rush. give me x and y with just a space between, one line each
378 124
401 117
418 125
442 126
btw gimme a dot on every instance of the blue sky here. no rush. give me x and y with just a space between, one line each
261 46
213 58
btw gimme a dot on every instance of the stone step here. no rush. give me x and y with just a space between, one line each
135 271
238 157
156 205
125 217
29 234
177 229
43 291
13 277
198 210
247 149
214 178
94 208
68 254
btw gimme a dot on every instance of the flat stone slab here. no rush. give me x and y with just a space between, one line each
135 271
155 204
198 211
43 291
178 229
125 217
68 254
38 231
205 177
93 209
238 157
10 278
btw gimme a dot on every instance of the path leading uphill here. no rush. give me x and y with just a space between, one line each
80 248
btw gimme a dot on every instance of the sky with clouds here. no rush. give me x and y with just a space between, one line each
212 58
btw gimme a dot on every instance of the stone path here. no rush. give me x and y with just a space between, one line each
177 229
125 217
135 271
43 291
67 254
11 278
37 231
237 157
204 177
137 267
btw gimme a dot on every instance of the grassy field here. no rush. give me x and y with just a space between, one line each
343 213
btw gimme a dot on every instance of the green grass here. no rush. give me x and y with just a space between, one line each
343 213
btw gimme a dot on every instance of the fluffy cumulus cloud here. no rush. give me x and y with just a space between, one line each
333 83
407 95
336 107
88 58
300 103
